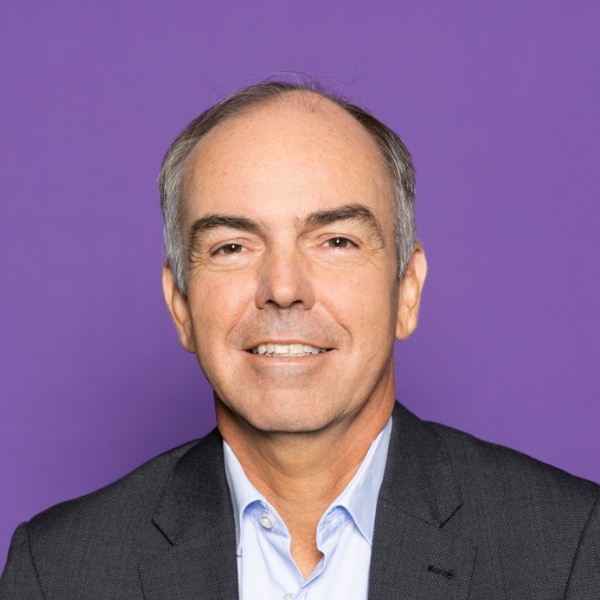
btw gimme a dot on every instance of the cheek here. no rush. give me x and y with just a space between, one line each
217 304
362 304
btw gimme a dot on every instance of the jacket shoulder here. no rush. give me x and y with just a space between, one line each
501 471
101 536
119 505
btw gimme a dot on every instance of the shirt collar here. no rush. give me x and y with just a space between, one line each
359 497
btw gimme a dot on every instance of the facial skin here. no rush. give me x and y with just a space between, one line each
289 229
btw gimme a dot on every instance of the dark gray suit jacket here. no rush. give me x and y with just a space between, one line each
457 518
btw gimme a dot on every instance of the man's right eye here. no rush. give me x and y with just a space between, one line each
229 249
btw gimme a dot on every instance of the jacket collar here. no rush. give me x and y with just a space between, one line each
413 556
418 478
196 517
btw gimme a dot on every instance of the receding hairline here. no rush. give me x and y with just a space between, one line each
308 99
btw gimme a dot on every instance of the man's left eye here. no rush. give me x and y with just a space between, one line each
340 242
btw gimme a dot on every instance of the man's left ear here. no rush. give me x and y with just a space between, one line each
411 287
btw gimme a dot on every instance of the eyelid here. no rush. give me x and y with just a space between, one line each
214 239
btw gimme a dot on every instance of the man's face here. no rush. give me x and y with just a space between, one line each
293 300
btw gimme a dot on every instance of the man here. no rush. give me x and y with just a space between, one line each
291 266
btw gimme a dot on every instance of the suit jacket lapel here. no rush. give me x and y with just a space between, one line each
413 557
196 517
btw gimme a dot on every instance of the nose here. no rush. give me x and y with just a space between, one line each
284 280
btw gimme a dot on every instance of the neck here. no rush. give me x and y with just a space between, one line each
301 474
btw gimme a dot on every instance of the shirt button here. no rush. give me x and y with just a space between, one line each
289 597
267 522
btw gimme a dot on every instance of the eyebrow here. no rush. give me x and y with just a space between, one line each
214 221
316 219
343 213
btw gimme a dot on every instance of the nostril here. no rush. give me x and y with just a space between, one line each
284 281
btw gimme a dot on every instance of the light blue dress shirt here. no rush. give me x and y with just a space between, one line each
266 570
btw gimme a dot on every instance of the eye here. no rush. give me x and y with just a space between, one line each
229 249
340 242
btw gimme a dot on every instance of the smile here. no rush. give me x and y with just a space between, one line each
287 350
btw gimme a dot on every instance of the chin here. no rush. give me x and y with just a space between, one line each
288 423
279 416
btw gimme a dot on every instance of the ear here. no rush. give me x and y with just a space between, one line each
178 307
411 287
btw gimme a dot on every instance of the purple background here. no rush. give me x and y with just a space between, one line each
499 104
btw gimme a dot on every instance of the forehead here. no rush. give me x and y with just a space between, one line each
300 149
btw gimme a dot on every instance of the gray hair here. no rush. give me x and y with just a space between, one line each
173 169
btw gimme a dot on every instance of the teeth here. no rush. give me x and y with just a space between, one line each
287 349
